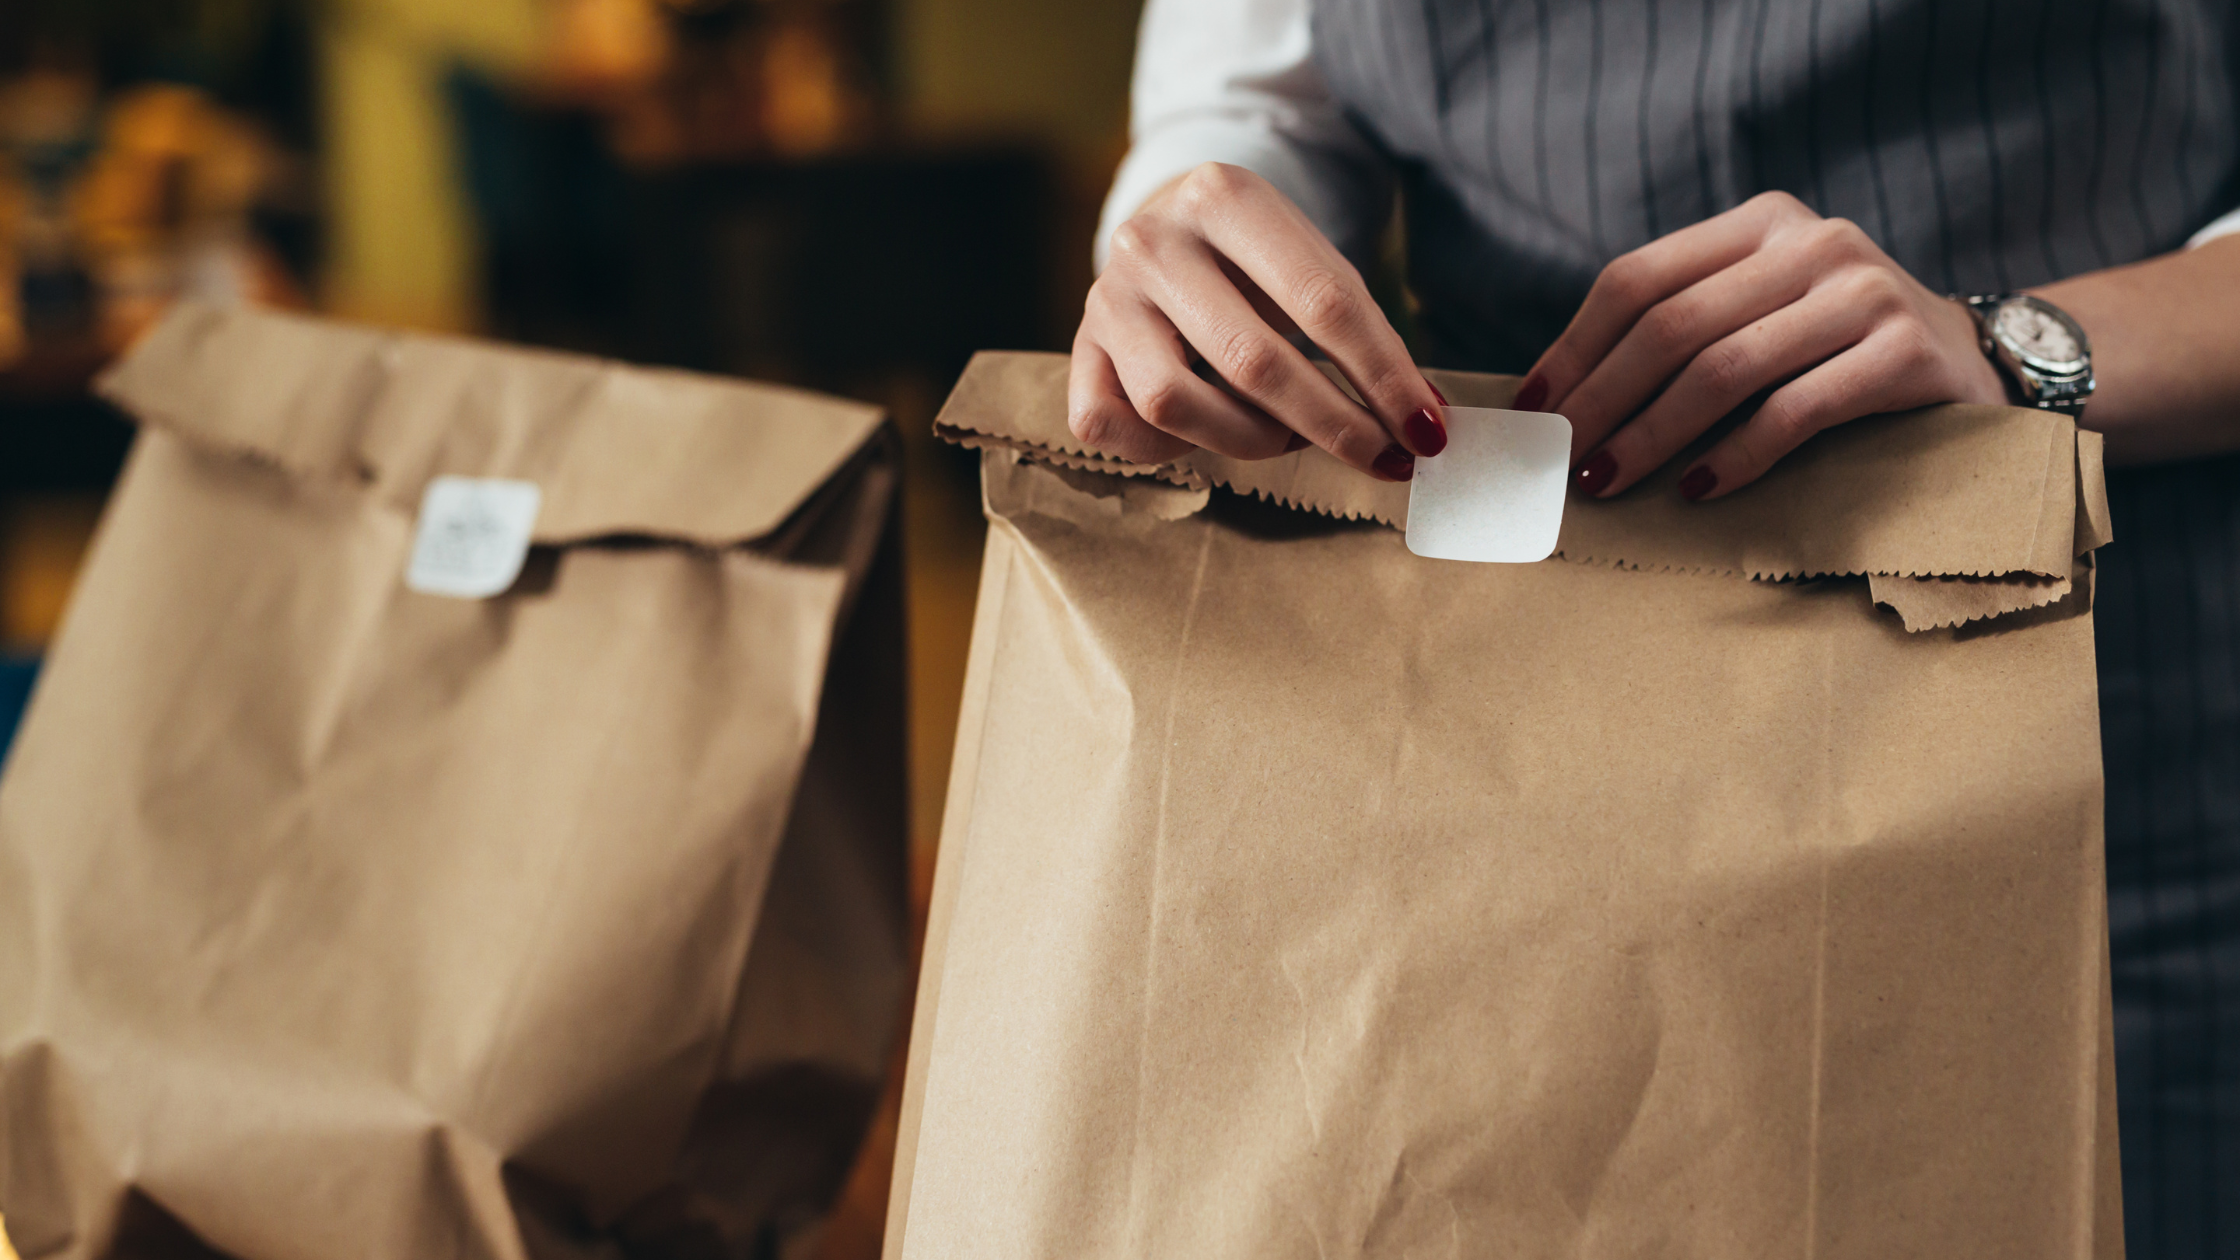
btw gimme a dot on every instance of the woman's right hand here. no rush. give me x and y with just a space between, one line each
1218 268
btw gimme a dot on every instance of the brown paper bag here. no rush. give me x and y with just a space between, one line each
1301 897
342 920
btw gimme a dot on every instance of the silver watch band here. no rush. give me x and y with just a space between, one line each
2064 387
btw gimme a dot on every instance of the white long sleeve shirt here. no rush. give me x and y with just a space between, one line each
1235 81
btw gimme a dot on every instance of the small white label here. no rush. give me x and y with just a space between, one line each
474 534
1496 492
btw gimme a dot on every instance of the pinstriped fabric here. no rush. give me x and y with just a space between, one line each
1641 120
1813 99
1493 135
1929 76
1542 167
1986 76
1871 62
2168 623
1699 122
2041 82
2095 198
1985 144
1757 86
1592 166
2140 187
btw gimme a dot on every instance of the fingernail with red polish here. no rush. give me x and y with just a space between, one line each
1296 442
1597 474
1436 394
1699 482
1533 394
1396 464
1425 433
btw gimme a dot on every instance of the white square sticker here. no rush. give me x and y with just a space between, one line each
1496 493
474 534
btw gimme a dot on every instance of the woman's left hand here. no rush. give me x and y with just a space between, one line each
1681 332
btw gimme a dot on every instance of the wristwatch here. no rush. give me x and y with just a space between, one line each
2040 348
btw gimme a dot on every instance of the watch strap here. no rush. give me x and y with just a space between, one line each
2067 396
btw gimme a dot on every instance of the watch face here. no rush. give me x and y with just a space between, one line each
2039 336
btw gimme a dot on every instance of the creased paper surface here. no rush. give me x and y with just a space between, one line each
339 920
1299 897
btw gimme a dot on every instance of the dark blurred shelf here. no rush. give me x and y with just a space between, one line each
846 267
824 272
17 673
833 273
54 434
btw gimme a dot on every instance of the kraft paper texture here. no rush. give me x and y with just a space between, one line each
340 920
1300 897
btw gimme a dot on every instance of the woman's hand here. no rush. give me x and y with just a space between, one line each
1220 269
1684 330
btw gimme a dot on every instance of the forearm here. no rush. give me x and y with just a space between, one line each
2166 349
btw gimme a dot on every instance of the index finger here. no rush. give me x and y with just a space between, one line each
1274 244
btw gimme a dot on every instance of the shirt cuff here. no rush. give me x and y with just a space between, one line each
1342 200
2229 225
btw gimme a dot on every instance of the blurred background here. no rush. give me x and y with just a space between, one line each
850 195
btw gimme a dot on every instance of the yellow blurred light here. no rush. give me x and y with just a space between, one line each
160 118
40 554
172 157
805 102
609 44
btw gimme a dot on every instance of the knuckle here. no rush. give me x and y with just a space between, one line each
1669 324
1131 243
1251 363
1727 370
1663 433
1325 302
1559 372
1628 279
1913 347
1873 289
1780 205
1835 239
1856 286
1358 447
1790 419
1264 443
1388 383
1752 457
1094 424
1163 403
1212 184
1097 307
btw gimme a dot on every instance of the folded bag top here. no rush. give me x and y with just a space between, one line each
1957 512
616 450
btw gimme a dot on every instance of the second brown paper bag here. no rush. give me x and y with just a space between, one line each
341 919
1729 885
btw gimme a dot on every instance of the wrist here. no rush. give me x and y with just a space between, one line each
1981 380
2040 350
